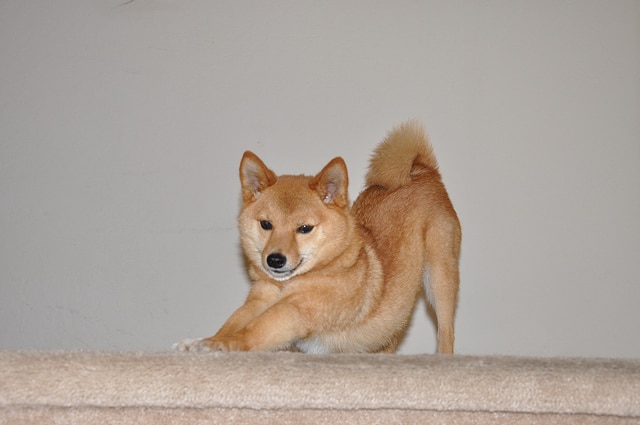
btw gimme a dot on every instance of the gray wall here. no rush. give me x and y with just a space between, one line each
122 125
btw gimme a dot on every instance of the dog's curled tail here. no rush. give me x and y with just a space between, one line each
402 155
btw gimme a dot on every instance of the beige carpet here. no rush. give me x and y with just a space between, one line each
290 388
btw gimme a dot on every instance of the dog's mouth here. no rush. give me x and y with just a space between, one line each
282 274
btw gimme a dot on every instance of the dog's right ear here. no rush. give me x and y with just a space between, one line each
254 176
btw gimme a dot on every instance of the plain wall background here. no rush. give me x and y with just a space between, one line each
122 125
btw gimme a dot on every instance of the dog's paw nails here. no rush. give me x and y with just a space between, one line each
201 345
189 344
183 345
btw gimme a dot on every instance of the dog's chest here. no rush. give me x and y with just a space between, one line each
313 345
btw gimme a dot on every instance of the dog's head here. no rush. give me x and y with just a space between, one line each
290 225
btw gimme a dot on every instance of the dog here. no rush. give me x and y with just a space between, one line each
328 277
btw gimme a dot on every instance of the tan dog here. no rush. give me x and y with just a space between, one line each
327 278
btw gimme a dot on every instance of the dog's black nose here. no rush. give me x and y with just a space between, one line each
276 261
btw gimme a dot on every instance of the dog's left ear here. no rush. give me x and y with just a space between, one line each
332 183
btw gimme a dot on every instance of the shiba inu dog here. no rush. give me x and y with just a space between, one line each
330 277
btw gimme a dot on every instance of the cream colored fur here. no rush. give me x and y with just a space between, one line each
328 277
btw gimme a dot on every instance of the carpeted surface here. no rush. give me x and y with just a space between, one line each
290 388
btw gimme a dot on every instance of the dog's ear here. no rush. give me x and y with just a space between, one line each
332 183
254 176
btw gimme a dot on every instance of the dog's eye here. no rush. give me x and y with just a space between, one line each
266 225
305 228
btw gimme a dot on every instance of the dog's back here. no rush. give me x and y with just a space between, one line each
407 211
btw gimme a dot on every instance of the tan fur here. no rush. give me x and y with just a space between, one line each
329 278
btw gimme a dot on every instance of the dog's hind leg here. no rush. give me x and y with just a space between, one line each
443 251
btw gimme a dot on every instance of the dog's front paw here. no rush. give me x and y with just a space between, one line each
208 344
194 344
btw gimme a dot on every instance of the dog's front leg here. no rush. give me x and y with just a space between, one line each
261 297
251 309
277 328
238 320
